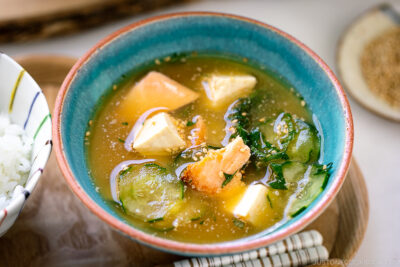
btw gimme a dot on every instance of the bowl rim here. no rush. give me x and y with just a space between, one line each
16 204
191 248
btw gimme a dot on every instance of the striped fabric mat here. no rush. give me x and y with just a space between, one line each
297 250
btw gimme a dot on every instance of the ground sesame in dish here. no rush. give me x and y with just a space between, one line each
380 65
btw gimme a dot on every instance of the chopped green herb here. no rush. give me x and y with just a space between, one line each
240 113
238 223
201 223
269 201
279 181
125 123
228 178
195 218
155 220
190 123
121 140
321 169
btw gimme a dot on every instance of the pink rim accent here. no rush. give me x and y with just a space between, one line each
199 249
5 215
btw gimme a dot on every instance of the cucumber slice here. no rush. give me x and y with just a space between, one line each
281 132
293 171
150 193
193 211
314 183
305 145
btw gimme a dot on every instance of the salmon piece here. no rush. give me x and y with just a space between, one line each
208 176
199 132
156 90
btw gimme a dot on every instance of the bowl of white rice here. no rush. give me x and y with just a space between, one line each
25 138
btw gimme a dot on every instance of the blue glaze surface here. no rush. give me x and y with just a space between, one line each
204 34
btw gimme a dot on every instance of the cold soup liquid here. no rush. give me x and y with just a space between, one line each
205 149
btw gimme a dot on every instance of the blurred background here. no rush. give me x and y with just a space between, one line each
72 27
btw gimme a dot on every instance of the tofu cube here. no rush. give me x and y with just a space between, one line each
223 89
252 204
159 136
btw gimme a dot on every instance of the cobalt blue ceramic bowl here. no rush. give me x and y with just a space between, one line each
140 43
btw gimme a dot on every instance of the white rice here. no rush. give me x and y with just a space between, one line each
15 158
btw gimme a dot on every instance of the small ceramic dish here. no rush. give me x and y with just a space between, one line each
359 34
143 42
22 99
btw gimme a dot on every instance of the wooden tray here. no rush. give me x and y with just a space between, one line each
56 229
22 20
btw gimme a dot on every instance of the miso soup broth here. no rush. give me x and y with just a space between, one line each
205 149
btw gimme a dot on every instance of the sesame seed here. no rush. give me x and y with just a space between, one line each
303 103
167 59
221 174
262 119
87 133
204 150
90 122
114 87
213 132
244 113
190 137
157 61
194 158
245 60
324 167
242 149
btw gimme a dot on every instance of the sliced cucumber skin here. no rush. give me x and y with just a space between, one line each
149 192
293 171
281 140
305 146
301 141
312 189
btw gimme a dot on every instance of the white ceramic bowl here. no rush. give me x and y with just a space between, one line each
22 99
